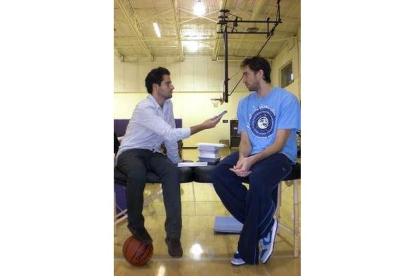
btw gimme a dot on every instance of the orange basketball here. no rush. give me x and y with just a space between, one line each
136 252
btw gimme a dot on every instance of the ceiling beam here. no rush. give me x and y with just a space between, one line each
155 16
177 29
135 58
274 38
130 16
119 55
198 16
153 46
223 5
205 39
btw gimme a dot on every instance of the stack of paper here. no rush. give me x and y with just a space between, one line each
209 152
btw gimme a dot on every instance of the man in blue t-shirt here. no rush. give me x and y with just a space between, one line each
269 118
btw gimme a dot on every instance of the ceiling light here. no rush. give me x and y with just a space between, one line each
157 29
199 8
192 46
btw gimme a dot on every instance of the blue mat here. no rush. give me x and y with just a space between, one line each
227 225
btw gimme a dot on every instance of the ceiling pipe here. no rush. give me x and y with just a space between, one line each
130 16
177 29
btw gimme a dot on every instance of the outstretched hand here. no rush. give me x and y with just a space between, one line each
212 122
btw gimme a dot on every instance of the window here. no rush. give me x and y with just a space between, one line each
286 75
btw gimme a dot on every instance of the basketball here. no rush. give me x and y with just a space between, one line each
136 252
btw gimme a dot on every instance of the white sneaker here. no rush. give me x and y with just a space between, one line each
268 243
237 260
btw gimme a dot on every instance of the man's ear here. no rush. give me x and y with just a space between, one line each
261 73
155 86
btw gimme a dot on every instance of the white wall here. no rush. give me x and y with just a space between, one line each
291 52
194 74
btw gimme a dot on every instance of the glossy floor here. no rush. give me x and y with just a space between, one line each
205 253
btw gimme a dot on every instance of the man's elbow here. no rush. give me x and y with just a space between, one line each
169 137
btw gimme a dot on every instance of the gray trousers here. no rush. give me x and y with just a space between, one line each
135 164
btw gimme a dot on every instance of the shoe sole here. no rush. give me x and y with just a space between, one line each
272 242
237 253
237 264
144 241
174 256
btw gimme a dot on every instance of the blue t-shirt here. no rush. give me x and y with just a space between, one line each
262 117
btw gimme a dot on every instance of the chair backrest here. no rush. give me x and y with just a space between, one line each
120 126
116 144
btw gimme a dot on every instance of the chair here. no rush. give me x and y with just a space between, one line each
231 225
292 179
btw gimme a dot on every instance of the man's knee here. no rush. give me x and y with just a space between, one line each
173 171
169 172
259 185
138 176
219 172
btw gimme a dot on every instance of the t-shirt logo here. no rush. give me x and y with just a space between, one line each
262 122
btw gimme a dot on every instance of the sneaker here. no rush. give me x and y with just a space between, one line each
237 260
141 234
268 243
174 247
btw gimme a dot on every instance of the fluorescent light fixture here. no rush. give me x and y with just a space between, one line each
157 29
199 8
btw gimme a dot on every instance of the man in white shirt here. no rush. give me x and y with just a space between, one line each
153 123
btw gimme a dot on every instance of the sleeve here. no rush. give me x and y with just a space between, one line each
241 117
172 146
149 119
290 114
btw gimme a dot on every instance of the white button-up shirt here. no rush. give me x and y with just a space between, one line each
150 126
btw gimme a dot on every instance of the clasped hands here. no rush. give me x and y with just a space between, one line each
242 168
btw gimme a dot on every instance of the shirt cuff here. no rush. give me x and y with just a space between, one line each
186 132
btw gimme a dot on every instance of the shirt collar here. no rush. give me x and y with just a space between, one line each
153 101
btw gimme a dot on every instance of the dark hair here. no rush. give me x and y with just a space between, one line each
257 63
155 76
